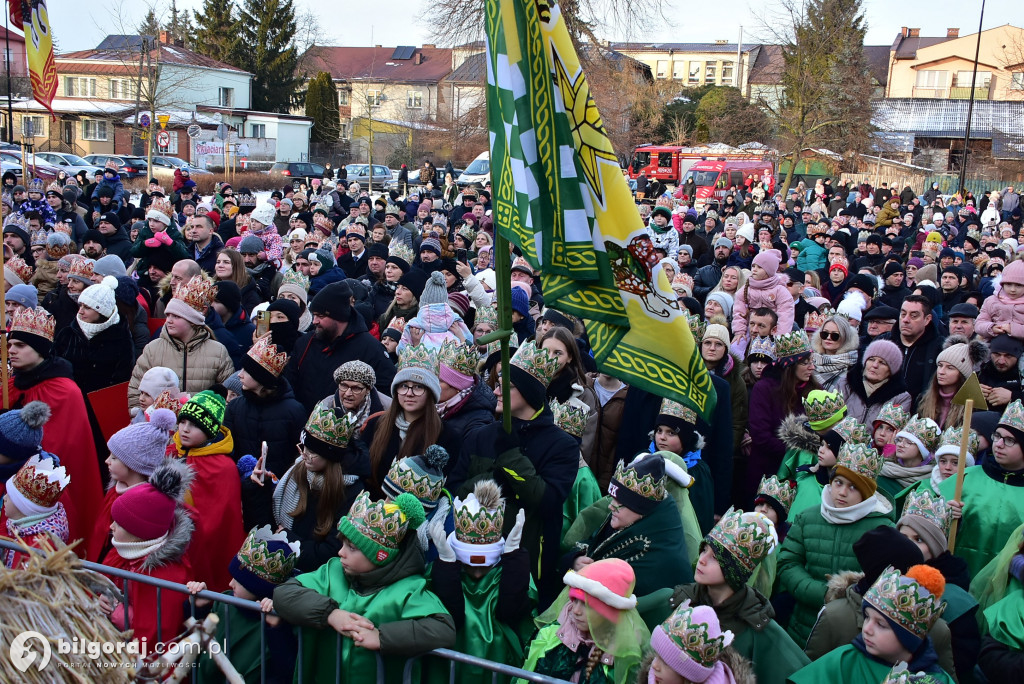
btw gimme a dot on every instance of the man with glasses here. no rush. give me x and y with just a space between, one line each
356 393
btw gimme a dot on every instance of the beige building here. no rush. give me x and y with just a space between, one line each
695 64
941 67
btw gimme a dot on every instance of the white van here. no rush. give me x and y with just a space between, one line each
478 171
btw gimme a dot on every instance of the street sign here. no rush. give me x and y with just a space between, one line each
222 131
163 119
143 135
163 138
194 131
144 120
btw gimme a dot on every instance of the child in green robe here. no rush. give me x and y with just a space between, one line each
890 420
571 417
773 501
373 597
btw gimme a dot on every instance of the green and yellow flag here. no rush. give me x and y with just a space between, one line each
560 196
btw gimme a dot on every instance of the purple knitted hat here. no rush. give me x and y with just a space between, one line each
143 446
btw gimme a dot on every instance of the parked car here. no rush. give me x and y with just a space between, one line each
39 170
127 166
163 165
69 163
478 171
360 173
297 171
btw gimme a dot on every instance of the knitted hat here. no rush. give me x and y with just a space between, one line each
927 514
520 301
161 210
264 363
769 260
457 364
148 510
860 464
865 283
740 541
356 371
718 332
434 291
377 528
479 519
192 299
206 411
157 379
911 603
924 433
606 586
431 244
880 548
233 383
417 364
110 265
1002 344
824 409
746 231
965 356
691 642
414 280
725 300
265 561
840 267
892 414
37 485
949 443
639 486
100 298
328 433
141 447
334 301
22 294
779 494
531 370
264 214
21 431
888 352
1014 273
422 476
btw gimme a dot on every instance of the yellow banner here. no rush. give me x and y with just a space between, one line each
42 68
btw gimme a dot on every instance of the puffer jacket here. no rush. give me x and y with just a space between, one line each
1001 309
476 411
276 420
770 293
601 457
886 214
200 363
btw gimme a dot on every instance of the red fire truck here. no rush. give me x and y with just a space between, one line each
713 178
670 163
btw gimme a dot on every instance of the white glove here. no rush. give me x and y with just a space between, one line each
437 535
516 535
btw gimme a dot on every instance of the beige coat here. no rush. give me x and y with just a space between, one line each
200 364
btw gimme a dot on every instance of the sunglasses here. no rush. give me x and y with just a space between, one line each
833 336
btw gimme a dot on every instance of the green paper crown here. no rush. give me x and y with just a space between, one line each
792 344
480 518
645 486
539 363
273 566
852 431
692 637
571 418
495 346
924 429
824 409
749 537
402 251
488 315
861 459
697 326
467 233
905 602
901 675
782 491
377 528
930 507
461 358
1013 416
421 485
291 277
328 426
677 410
949 441
418 356
894 415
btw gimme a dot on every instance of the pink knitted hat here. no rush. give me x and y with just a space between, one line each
1014 273
769 260
605 585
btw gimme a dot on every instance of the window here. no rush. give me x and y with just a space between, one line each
709 72
414 99
678 68
259 130
343 131
963 79
932 79
373 98
664 160
1017 80
662 68
32 127
122 89
727 73
78 86
93 129
343 95
226 97
693 76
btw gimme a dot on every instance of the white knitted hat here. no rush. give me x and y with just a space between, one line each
100 297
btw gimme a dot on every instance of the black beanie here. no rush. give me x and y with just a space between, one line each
377 249
892 268
288 308
881 547
41 345
229 295
414 280
864 282
112 218
834 441
162 258
533 390
334 301
93 235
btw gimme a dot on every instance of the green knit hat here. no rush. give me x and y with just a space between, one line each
377 528
206 410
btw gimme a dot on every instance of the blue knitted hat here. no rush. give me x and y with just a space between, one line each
520 301
21 432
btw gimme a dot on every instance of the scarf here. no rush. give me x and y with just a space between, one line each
828 368
947 402
91 330
139 549
452 406
402 424
604 395
850 514
871 387
286 495
906 475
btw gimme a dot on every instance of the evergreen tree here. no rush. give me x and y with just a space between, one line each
322 107
150 25
179 25
267 50
216 31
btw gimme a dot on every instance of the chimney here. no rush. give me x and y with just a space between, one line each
915 33
903 32
417 58
165 37
952 33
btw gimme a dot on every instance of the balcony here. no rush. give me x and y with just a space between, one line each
981 92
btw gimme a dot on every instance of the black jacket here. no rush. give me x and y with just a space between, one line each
313 362
1010 380
208 260
514 604
61 306
477 411
276 420
706 280
894 296
121 245
999 662
918 360
107 359
351 267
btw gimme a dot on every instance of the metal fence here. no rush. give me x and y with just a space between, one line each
454 658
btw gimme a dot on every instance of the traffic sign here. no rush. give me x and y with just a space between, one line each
163 119
194 131
163 138
143 135
144 120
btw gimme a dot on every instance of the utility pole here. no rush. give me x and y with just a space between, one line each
10 106
739 64
970 105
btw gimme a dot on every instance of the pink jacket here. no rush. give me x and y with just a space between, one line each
1001 309
771 293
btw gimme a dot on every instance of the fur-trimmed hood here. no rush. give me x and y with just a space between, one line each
839 583
177 542
795 435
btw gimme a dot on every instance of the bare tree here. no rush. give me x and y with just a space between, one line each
309 31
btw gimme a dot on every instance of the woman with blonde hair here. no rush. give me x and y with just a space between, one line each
732 281
834 348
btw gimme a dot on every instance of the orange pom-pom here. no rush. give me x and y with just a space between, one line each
929 578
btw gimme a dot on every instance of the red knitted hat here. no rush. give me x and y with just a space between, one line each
605 585
144 511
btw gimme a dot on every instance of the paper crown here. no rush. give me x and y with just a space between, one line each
539 363
683 282
467 233
20 269
814 320
418 356
820 406
274 566
901 675
265 353
949 442
34 322
904 601
792 344
488 315
930 507
168 400
521 264
642 485
17 220
162 205
41 480
38 237
783 491
677 410
461 358
495 346
570 417
197 293
765 346
697 326
245 199
424 480
1013 416
35 185
377 528
291 277
749 537
861 459
55 187
893 414
328 426
852 431
82 268
923 430
397 323
480 517
400 250
692 636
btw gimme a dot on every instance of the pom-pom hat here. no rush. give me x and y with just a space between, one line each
265 561
148 510
639 486
479 519
422 476
377 528
37 485
911 603
142 447
21 431
606 586
691 642
100 298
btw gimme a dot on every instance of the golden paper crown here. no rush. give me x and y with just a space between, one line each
35 185
461 358
539 363
571 417
894 415
418 356
480 517
904 601
271 557
198 292
35 321
168 400
814 320
399 250
861 459
294 277
20 268
676 410
82 268
930 507
265 353
162 205
765 346
783 491
397 323
41 480
39 237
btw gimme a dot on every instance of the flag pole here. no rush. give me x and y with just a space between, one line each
4 372
503 269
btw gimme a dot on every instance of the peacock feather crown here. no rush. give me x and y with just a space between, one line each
949 441
852 431
930 507
274 566
645 485
1013 416
418 356
749 537
328 426
570 417
783 491
861 459
676 410
461 358
488 315
697 326
820 406
905 601
539 363
792 344
692 636
893 414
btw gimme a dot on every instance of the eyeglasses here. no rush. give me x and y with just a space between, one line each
1007 441
833 336
412 389
346 388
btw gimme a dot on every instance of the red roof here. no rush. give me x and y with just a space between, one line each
168 54
378 64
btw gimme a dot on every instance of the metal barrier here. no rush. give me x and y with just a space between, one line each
454 657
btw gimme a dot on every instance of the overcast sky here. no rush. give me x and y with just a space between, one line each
79 25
